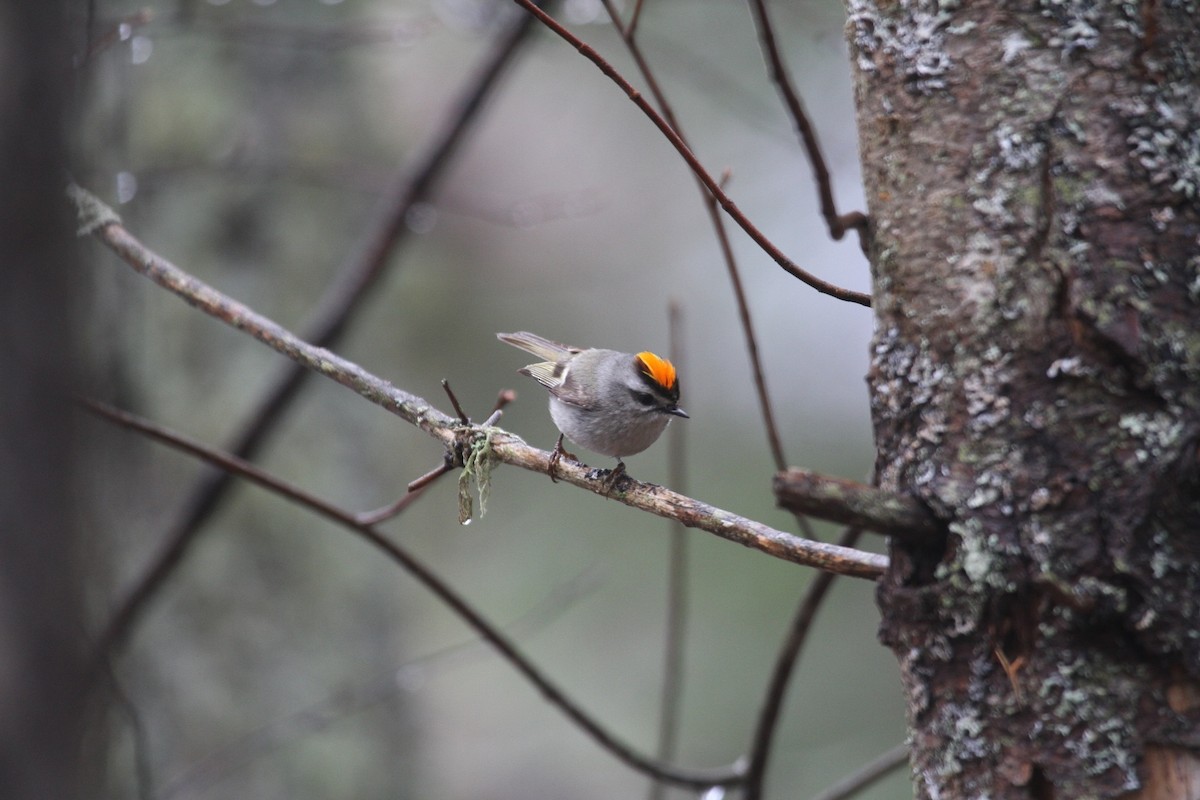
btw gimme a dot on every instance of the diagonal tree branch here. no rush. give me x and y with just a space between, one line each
788 656
718 222
875 769
781 675
675 626
356 276
710 183
485 444
838 224
444 592
201 776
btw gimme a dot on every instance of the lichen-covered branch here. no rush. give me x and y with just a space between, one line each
853 503
499 445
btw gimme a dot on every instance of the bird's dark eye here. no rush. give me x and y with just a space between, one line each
643 398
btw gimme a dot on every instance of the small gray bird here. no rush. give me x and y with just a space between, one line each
613 403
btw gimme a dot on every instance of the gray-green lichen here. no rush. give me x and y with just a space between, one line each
917 45
1080 22
981 565
1169 578
1154 434
1164 121
967 738
1103 742
1164 137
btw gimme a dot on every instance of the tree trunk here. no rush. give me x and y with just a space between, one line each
1033 179
41 669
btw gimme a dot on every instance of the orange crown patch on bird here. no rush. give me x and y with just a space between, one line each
658 369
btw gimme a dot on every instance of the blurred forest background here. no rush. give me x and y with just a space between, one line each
250 143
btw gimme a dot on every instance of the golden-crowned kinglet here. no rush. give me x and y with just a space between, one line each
616 404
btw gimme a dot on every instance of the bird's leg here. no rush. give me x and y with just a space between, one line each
615 475
556 455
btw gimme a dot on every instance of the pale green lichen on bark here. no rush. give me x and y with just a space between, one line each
966 736
1079 698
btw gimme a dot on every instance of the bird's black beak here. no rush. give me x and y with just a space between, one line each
677 411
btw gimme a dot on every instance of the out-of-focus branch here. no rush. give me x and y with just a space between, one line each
781 675
200 777
710 183
444 592
113 32
873 770
675 625
853 503
718 223
356 276
489 443
838 224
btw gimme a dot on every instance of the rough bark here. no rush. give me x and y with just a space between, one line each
1033 180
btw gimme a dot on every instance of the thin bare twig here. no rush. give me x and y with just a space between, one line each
143 771
396 508
458 409
677 575
729 776
99 220
873 770
781 675
635 17
838 224
774 441
505 397
710 183
355 277
718 222
787 658
416 489
429 477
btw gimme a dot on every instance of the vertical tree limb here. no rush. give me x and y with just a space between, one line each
41 597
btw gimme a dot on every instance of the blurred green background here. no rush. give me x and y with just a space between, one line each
249 142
